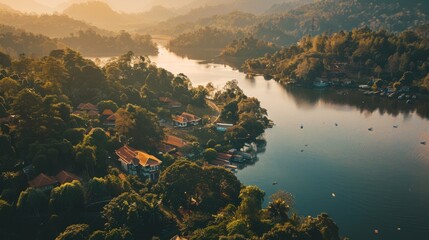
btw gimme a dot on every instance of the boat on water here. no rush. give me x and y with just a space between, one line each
320 84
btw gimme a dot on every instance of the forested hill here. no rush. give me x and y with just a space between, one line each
49 25
360 52
337 15
14 42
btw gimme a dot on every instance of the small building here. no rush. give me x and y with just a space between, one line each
88 110
43 182
107 113
86 107
186 119
66 177
110 121
223 127
171 103
175 141
138 163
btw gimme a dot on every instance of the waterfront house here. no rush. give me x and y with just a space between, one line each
138 163
223 127
185 120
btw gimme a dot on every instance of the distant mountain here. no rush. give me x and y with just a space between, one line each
102 15
4 7
250 6
49 25
29 6
286 6
95 12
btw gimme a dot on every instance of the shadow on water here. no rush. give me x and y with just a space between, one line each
308 98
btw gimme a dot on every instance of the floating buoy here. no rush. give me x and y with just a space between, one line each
333 195
376 231
336 124
302 126
302 150
423 143
274 183
399 229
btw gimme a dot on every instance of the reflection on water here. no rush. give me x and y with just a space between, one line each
380 177
367 105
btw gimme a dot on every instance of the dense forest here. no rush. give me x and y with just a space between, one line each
90 43
42 133
248 48
205 38
289 26
16 41
360 53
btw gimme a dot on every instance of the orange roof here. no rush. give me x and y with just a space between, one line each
93 113
107 112
65 177
165 99
111 117
179 119
175 141
190 117
87 107
130 155
42 180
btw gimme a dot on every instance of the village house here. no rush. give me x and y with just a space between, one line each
185 120
138 163
87 109
171 103
45 182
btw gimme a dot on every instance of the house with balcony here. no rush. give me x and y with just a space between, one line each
138 163
185 120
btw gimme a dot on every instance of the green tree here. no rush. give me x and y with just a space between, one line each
107 104
210 154
75 232
32 201
67 199
132 211
251 204
9 87
179 183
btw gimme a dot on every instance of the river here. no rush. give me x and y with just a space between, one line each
365 180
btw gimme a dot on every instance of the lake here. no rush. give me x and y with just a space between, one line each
380 178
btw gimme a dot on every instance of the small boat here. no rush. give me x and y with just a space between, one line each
333 195
423 142
376 231
274 183
302 126
370 129
302 150
336 124
395 126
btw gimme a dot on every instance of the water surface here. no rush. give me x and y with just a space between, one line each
380 177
